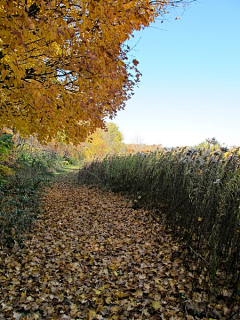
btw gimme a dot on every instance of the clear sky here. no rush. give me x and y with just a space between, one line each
190 88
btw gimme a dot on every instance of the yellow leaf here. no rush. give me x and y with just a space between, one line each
29 298
91 315
139 293
69 280
112 267
98 292
156 305
115 309
108 300
121 294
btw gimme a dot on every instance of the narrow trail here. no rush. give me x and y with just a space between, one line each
90 255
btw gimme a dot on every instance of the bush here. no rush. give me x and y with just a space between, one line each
6 146
20 190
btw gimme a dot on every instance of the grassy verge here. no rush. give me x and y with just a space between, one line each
67 169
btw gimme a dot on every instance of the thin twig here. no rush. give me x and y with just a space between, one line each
199 256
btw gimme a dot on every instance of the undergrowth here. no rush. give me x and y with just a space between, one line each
24 170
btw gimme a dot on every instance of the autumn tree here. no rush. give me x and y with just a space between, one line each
102 142
63 63
113 138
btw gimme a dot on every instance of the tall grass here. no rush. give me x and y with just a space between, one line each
196 192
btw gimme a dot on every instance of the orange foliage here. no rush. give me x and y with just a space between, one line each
63 65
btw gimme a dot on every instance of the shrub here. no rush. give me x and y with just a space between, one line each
20 190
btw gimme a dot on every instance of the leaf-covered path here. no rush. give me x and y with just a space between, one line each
91 256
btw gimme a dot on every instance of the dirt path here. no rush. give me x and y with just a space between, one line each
91 256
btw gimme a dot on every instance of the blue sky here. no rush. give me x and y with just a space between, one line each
190 85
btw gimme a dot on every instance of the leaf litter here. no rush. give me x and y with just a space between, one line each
91 255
